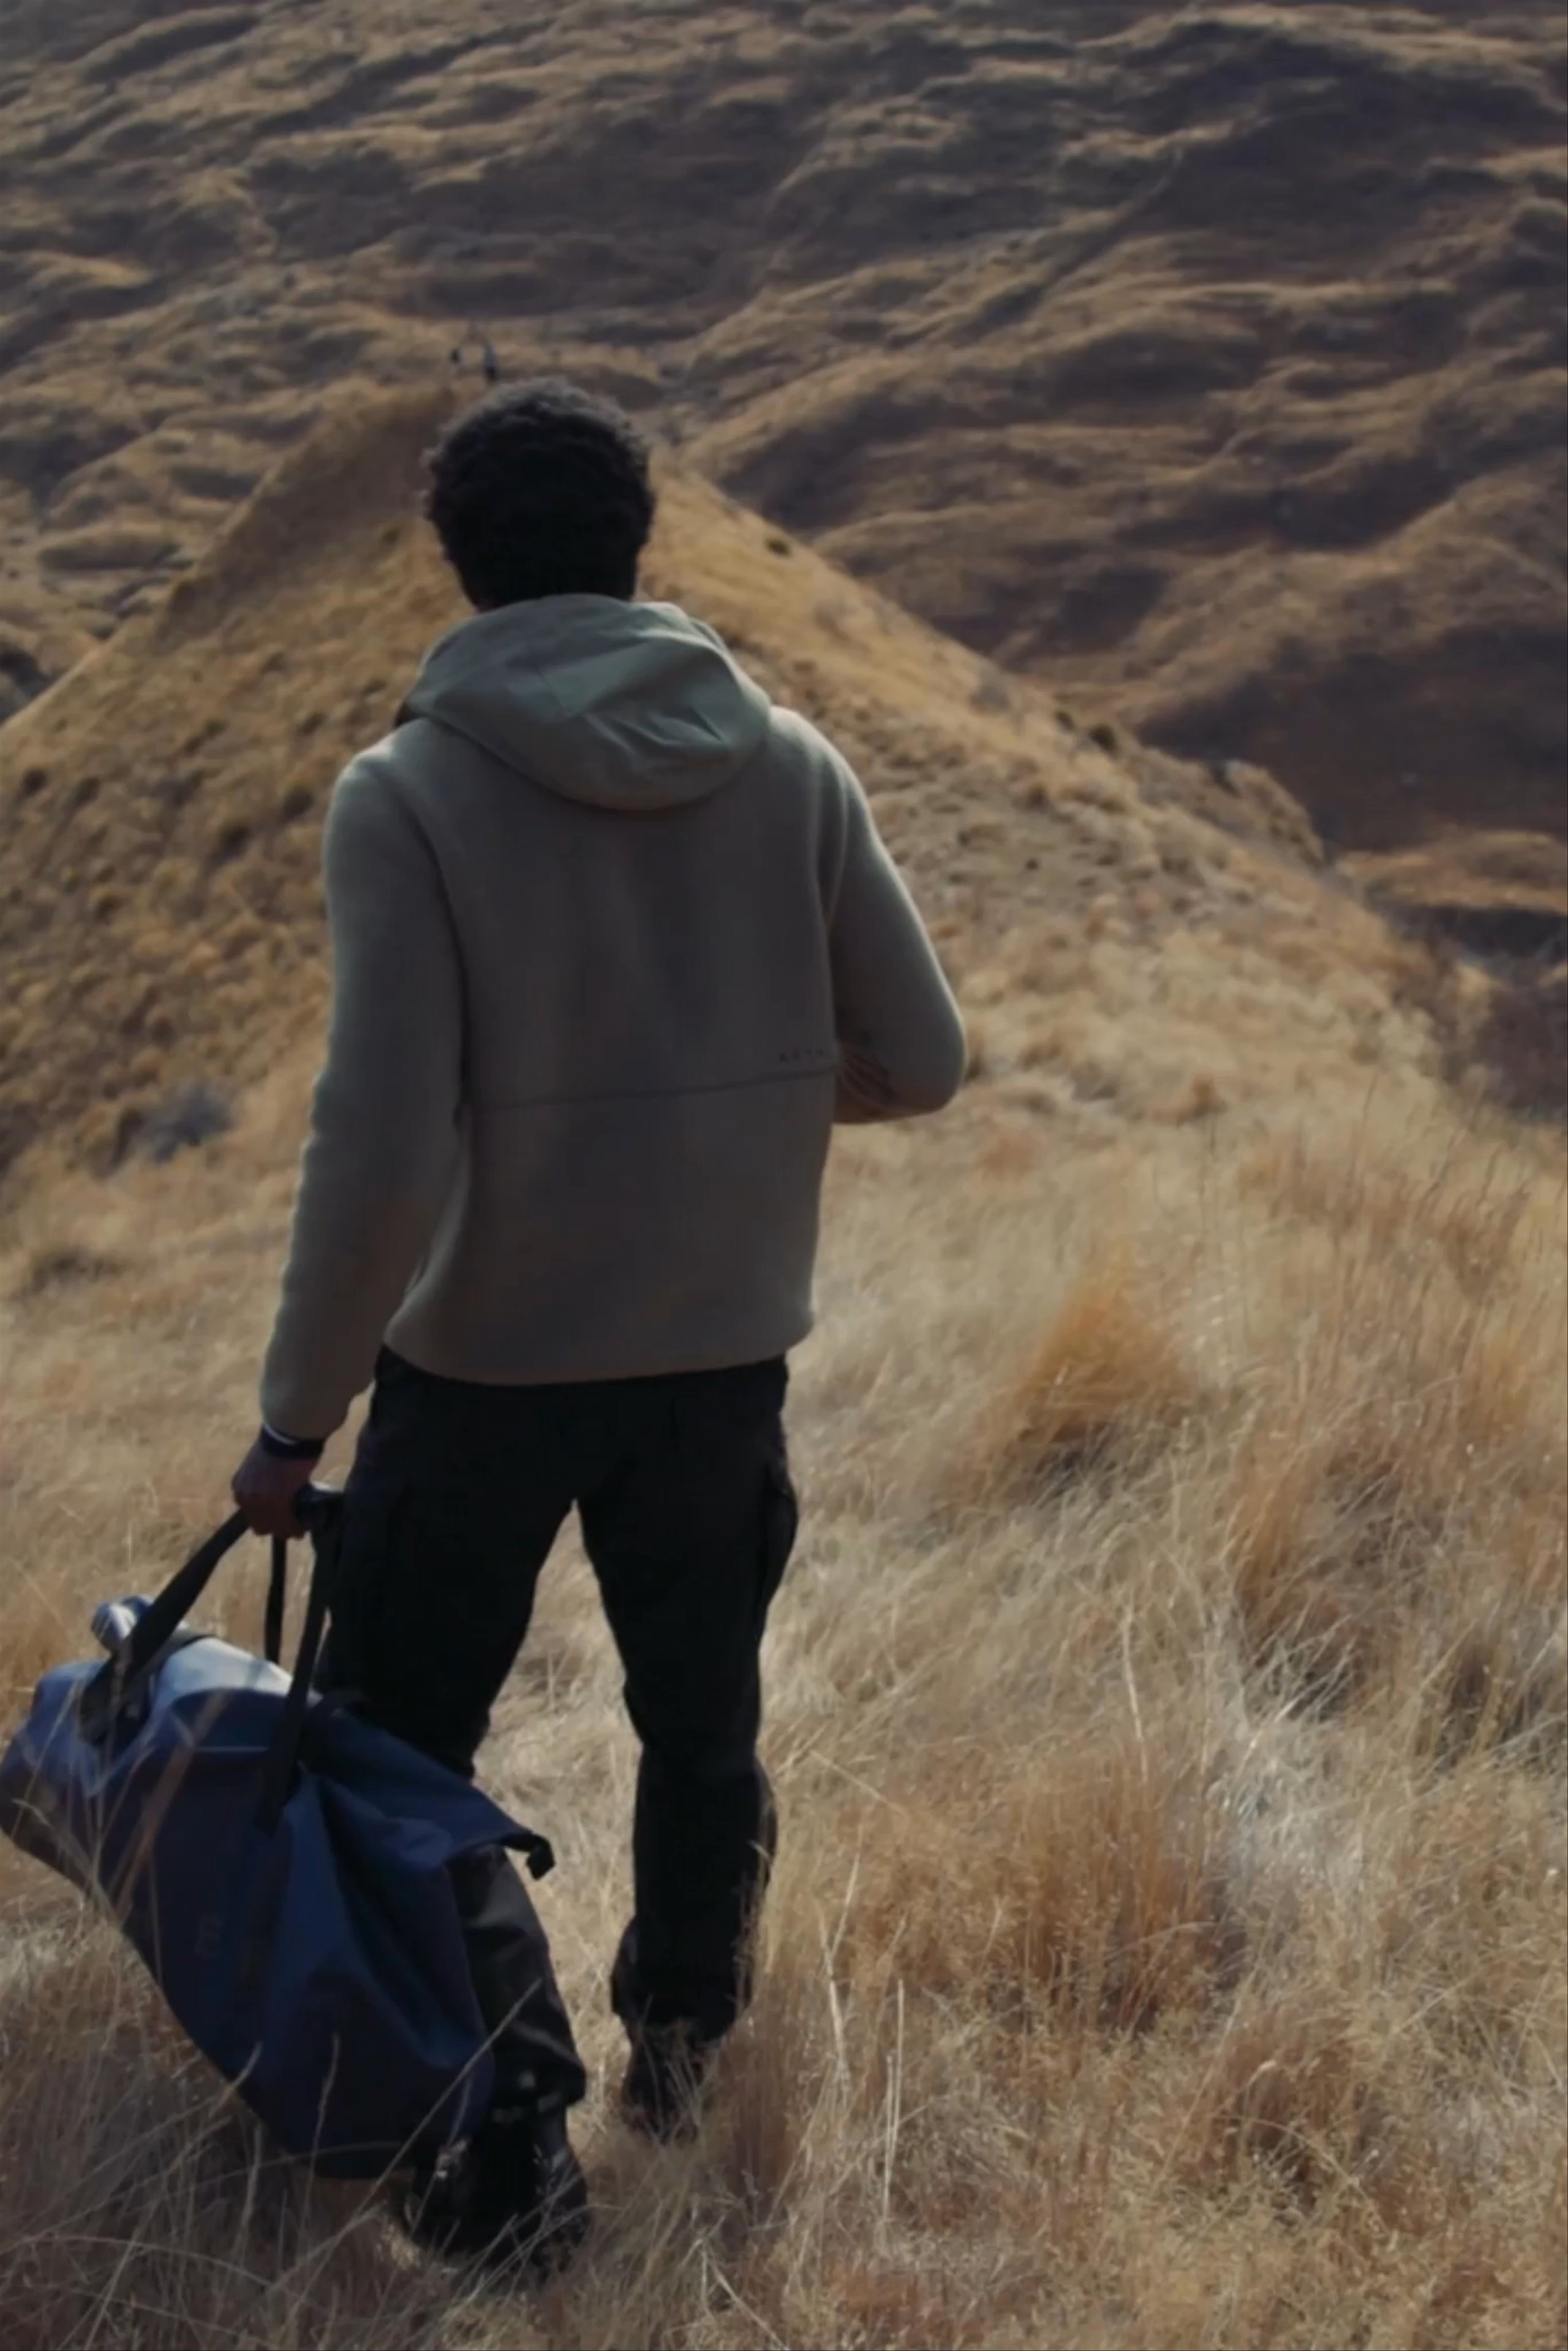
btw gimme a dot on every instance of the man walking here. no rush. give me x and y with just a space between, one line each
614 943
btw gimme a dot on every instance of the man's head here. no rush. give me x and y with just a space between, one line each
542 490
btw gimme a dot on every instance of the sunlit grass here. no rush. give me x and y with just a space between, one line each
1167 1707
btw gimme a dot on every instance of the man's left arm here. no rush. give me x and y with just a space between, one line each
384 1133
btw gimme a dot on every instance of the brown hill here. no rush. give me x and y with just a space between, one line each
1208 360
1133 932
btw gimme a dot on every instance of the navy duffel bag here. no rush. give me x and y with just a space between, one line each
280 1865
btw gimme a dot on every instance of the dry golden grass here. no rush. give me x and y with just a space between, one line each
1106 1370
1168 1710
1167 1702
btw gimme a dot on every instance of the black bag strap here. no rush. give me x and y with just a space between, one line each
104 1694
318 1509
277 1586
322 1516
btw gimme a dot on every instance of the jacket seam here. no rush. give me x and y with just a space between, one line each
827 1070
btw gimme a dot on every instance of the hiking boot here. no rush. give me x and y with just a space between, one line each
661 2095
514 2195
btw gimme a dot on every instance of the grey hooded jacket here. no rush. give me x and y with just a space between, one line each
614 940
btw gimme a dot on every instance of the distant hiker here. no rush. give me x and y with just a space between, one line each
615 941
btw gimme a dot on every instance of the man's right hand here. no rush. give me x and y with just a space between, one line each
266 1487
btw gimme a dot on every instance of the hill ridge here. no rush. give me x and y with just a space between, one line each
161 913
1017 312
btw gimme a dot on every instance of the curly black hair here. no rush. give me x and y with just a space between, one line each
541 490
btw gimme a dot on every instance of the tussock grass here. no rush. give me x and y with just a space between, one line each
1167 1706
1106 1370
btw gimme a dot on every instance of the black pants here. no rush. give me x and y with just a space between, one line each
689 1516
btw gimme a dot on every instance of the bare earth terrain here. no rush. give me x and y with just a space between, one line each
1169 1700
1209 358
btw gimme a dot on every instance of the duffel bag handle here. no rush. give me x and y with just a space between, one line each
318 1509
106 1693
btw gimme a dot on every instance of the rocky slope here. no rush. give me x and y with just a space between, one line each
1208 360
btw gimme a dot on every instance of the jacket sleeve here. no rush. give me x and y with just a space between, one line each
384 1140
901 1047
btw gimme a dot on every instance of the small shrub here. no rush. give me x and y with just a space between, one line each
1106 735
777 544
190 1116
992 693
295 801
230 841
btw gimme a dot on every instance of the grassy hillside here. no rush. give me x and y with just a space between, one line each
1210 361
1169 1700
160 912
1167 1706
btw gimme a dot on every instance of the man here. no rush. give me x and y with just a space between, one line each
614 943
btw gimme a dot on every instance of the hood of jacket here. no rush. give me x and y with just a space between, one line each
628 707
